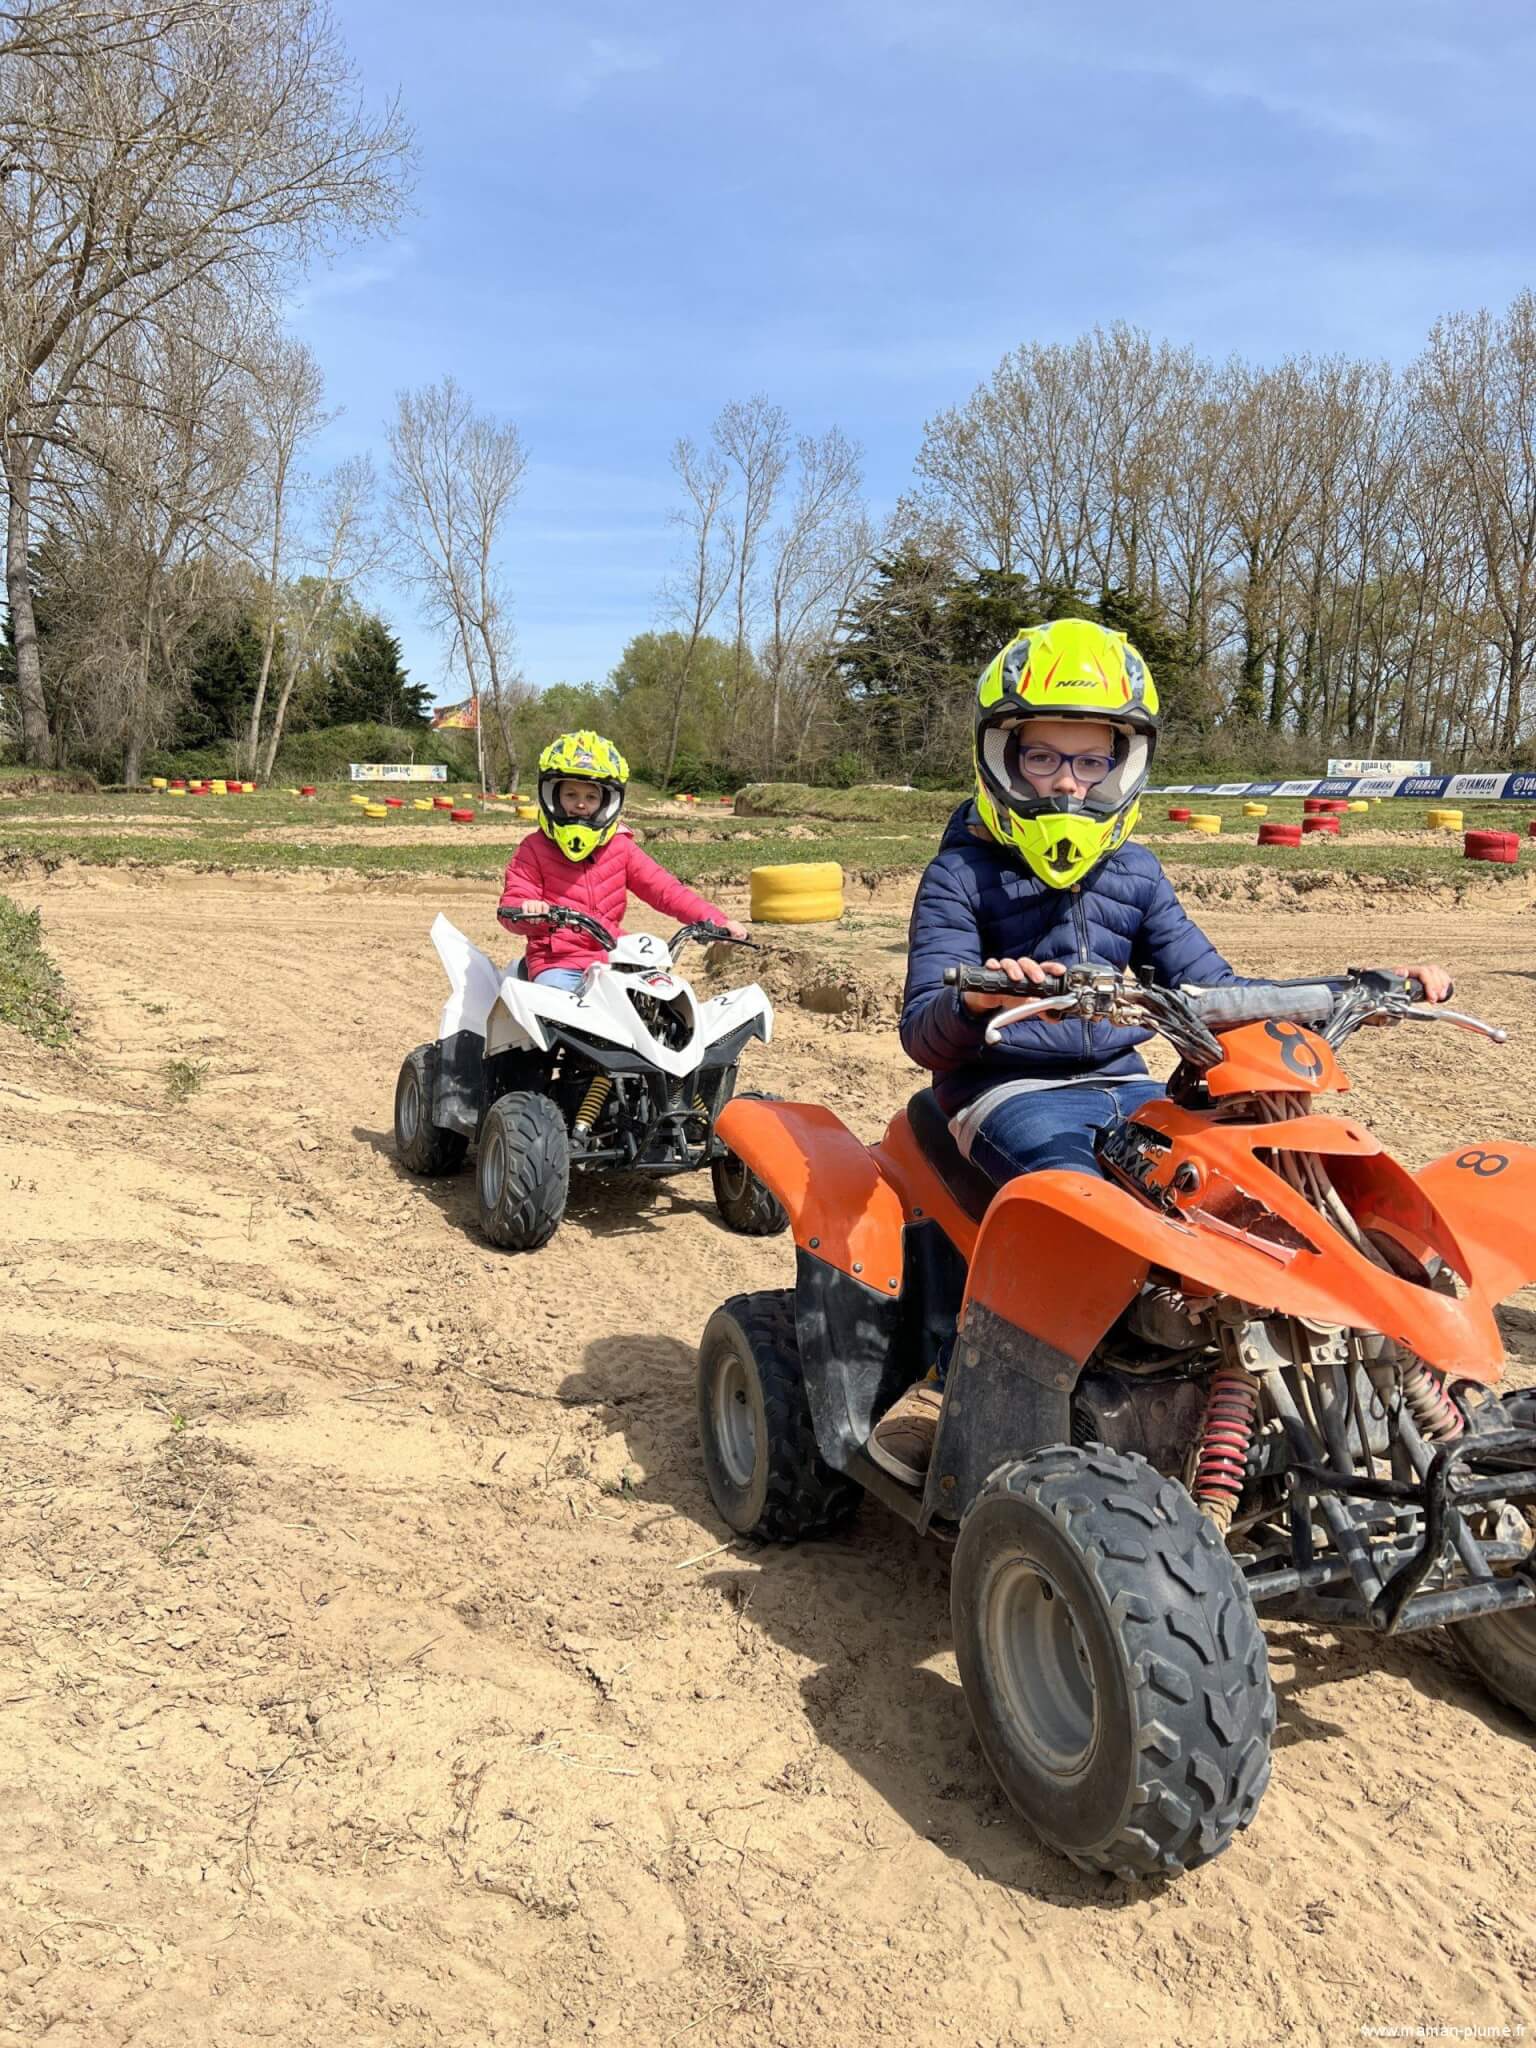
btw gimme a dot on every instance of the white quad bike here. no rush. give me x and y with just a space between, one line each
627 1073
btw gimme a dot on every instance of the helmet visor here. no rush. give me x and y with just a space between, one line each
612 795
1016 765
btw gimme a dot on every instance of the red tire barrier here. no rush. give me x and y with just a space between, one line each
1178 816
1312 806
180 782
1326 825
308 789
462 817
1531 828
1279 835
396 803
1498 846
442 803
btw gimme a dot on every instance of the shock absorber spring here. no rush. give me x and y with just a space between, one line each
1428 1402
592 1102
1221 1468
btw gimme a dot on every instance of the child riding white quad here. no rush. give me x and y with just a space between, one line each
610 1062
580 859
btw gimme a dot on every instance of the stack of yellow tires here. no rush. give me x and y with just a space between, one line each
803 892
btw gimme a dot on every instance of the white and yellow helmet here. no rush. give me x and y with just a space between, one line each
581 757
1070 669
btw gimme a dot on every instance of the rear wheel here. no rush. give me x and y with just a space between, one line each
744 1202
765 1474
1112 1662
523 1171
422 1146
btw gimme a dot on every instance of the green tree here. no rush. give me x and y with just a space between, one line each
369 684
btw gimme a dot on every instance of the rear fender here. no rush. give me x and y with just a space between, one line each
840 1206
1487 1194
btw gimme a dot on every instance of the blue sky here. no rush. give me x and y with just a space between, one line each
626 215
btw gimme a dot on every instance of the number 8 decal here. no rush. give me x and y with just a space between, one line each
1299 1056
1484 1164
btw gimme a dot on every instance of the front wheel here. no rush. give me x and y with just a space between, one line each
748 1207
523 1172
1501 1648
764 1472
422 1146
1112 1662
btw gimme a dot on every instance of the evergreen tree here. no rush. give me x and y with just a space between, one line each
369 684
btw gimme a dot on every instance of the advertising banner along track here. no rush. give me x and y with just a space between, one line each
1509 787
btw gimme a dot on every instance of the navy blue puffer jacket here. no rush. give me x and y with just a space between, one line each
978 902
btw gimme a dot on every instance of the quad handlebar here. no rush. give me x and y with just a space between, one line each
564 919
1190 1017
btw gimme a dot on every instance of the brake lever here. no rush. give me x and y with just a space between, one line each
1036 1007
1436 1013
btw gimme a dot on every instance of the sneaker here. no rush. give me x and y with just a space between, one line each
905 1434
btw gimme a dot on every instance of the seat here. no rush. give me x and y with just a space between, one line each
971 1188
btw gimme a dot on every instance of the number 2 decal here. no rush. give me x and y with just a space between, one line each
1484 1164
1299 1056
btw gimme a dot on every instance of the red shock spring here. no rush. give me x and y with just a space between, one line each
1222 1467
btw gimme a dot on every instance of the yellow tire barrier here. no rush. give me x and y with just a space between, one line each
159 782
805 892
176 792
1204 821
375 810
219 788
1445 821
1361 806
421 803
1255 810
357 799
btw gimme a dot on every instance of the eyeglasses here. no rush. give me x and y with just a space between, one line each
1045 762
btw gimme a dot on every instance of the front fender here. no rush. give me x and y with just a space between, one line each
1487 1194
840 1206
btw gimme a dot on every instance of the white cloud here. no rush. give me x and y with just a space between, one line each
351 279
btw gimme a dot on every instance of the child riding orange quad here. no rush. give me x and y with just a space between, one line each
1035 872
579 860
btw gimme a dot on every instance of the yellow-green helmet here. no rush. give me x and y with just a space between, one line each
1068 669
581 757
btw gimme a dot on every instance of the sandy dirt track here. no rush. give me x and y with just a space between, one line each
372 1667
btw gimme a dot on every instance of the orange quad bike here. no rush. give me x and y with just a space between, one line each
1252 1369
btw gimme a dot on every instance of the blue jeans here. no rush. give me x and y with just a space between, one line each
568 978
1055 1127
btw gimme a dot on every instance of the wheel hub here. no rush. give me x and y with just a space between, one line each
493 1169
410 1107
735 1425
733 1177
1044 1676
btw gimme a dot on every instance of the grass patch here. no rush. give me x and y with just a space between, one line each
871 806
32 995
183 1078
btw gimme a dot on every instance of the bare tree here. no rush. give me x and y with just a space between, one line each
454 476
811 562
342 555
146 492
288 389
230 147
753 436
704 575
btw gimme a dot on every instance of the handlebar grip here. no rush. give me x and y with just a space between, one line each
1263 1002
986 981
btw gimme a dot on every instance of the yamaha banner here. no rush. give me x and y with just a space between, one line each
1507 788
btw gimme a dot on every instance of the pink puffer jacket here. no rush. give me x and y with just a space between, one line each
600 885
